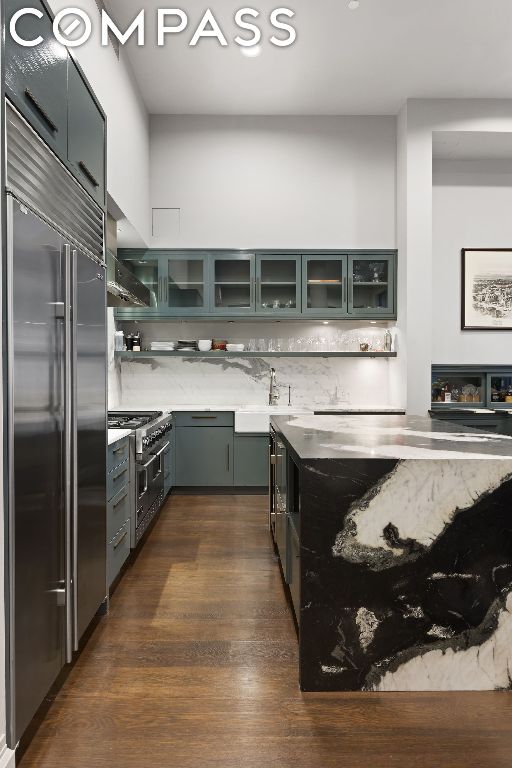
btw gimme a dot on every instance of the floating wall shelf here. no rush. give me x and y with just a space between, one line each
160 353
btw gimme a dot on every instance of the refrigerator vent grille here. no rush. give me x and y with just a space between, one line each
38 179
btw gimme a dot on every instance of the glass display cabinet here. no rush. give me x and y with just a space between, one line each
324 281
278 284
462 389
500 389
342 285
145 266
185 284
370 284
232 290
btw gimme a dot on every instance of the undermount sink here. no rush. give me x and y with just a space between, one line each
256 418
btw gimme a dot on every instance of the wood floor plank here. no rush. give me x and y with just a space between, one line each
196 667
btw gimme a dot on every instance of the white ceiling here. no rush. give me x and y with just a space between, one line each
366 61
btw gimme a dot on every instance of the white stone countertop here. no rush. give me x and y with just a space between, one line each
255 419
114 435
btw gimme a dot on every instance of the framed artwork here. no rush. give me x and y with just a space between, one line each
486 289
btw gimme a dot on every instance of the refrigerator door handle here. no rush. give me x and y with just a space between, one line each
74 446
69 494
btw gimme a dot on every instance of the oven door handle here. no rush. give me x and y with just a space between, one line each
162 450
144 469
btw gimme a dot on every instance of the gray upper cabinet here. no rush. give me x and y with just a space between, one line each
324 284
278 280
371 284
225 284
86 136
36 78
145 265
184 284
232 288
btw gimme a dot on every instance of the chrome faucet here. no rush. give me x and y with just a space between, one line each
273 393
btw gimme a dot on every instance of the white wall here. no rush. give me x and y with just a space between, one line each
472 205
275 182
128 128
417 122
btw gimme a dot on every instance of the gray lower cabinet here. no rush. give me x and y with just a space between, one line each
204 456
86 136
36 77
499 423
251 460
118 507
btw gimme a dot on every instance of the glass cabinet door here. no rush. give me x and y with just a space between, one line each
324 284
278 284
145 266
371 284
233 283
184 284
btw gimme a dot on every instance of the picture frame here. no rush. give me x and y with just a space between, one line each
486 296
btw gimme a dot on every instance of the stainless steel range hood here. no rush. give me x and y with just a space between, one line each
124 289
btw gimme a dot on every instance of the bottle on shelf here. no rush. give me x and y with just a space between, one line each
447 393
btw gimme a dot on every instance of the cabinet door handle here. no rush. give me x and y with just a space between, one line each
114 506
88 173
258 290
344 290
123 537
229 458
120 474
44 114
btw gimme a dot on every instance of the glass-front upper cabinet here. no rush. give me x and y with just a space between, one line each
145 266
278 279
324 284
233 283
184 284
371 286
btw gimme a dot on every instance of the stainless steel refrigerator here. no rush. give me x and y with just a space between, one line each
56 424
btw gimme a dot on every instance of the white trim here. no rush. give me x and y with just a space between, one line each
7 758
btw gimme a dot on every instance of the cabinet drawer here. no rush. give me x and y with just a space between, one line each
205 419
293 568
118 511
36 78
117 479
86 136
117 454
117 552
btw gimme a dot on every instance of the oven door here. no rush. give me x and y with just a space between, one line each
146 490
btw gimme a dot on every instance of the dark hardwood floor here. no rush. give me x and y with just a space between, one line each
195 667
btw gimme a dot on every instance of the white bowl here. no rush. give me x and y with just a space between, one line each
204 345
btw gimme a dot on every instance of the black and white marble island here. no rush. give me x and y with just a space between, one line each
401 574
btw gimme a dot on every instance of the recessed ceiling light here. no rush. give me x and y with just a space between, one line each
252 51
353 5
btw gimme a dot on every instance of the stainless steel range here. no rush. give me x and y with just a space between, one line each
150 443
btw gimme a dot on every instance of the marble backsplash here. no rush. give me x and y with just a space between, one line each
201 381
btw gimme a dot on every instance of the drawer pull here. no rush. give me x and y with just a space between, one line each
122 449
204 417
123 472
88 173
123 537
120 501
44 114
